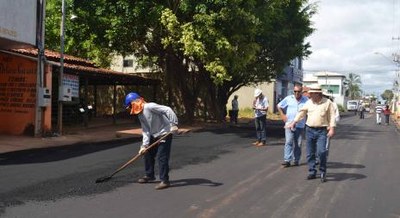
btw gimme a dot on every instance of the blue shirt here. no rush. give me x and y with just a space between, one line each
292 106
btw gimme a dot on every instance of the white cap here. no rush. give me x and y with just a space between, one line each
257 92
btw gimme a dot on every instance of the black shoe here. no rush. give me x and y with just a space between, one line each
311 176
323 177
296 164
146 179
286 164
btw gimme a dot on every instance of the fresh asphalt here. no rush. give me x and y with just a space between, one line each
215 173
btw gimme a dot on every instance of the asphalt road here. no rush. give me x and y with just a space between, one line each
215 173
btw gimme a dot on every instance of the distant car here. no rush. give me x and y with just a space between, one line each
352 105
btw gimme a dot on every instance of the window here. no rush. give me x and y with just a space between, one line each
333 89
128 63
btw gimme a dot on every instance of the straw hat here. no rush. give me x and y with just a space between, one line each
315 88
257 92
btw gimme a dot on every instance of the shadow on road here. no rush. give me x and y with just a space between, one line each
344 176
194 181
344 165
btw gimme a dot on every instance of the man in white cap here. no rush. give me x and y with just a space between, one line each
260 106
320 124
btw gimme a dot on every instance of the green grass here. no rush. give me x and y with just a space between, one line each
249 113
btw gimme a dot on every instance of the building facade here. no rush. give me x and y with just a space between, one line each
332 82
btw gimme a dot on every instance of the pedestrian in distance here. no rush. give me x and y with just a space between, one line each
235 109
260 106
288 108
361 110
156 121
320 124
378 111
386 113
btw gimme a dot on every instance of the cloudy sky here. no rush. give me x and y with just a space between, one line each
356 36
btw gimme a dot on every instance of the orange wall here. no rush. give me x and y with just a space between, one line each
18 95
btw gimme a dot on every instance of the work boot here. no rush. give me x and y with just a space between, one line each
162 185
146 179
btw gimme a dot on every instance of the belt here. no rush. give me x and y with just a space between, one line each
315 127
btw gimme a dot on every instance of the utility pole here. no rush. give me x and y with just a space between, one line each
61 72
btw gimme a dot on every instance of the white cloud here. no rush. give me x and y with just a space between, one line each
348 35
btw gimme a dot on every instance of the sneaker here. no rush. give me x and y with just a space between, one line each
311 176
256 143
162 185
146 179
286 164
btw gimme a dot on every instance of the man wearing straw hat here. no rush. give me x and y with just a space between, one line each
320 124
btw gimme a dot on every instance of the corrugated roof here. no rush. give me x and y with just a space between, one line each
80 66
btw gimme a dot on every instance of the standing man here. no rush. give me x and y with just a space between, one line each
235 109
260 106
156 121
361 109
320 124
378 111
293 137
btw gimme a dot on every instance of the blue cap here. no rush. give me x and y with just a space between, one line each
131 97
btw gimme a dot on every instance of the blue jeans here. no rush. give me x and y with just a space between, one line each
292 150
261 124
163 150
316 145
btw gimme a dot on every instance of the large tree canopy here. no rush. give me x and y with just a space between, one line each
205 49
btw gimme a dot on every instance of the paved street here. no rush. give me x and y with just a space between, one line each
215 173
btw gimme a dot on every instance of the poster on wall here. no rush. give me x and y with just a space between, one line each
70 87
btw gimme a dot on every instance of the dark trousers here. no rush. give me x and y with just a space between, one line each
261 125
162 152
316 146
361 114
234 116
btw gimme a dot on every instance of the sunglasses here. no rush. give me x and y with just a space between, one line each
297 91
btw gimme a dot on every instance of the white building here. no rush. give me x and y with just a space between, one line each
332 82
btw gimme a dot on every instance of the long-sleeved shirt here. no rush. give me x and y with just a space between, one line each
156 120
321 114
260 105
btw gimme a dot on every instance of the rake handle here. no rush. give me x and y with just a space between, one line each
136 157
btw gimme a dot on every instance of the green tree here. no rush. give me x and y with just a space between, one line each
205 49
353 83
387 95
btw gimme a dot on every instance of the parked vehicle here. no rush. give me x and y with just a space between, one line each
352 105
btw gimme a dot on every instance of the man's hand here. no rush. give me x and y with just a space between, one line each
174 129
331 132
291 125
142 150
